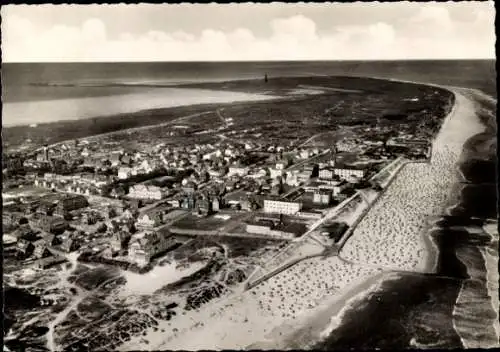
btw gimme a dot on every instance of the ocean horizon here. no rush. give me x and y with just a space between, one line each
36 93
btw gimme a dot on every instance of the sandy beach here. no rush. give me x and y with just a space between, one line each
301 300
394 234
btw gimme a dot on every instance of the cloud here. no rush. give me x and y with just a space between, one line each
429 33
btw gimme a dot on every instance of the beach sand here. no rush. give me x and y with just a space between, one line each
301 300
394 234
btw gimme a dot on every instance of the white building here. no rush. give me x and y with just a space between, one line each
326 173
349 172
292 178
323 196
276 172
238 170
124 173
146 192
281 207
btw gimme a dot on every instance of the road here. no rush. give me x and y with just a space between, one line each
294 166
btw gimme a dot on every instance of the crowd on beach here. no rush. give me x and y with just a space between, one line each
256 314
391 235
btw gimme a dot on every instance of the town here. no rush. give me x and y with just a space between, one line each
131 204
199 207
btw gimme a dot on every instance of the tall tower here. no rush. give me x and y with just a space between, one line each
333 154
45 153
265 78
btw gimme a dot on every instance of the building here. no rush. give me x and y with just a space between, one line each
119 241
327 173
281 206
41 249
70 203
47 262
152 218
261 227
323 196
304 154
145 245
25 248
274 173
91 218
69 244
292 179
348 172
124 173
48 223
238 170
146 192
204 206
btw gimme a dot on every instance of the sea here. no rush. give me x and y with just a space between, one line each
448 309
34 93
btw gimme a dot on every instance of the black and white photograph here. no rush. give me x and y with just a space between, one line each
254 176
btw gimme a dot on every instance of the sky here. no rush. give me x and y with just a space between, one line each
248 32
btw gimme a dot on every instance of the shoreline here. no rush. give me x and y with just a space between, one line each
146 101
321 317
431 264
316 325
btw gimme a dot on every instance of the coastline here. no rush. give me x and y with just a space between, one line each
324 319
74 109
316 321
328 315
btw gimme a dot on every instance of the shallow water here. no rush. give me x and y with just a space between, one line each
43 111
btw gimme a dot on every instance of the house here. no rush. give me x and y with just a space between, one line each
153 217
322 196
90 218
119 241
238 170
41 249
69 244
347 172
281 206
70 203
145 245
48 223
142 191
25 248
115 159
51 239
47 262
